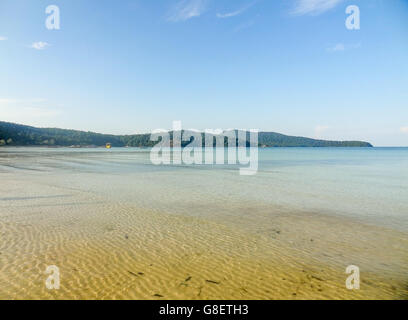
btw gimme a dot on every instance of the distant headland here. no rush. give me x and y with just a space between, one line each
12 134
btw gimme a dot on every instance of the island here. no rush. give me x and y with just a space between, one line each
12 134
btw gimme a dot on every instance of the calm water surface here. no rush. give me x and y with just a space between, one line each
364 183
107 216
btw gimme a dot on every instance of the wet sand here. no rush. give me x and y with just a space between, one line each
110 249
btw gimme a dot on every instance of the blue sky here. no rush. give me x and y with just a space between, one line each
289 66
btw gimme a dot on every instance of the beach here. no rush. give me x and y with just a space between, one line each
118 227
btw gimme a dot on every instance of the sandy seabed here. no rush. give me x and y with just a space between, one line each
109 250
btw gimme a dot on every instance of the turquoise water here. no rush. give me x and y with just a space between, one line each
369 184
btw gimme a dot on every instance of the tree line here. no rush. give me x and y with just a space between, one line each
12 134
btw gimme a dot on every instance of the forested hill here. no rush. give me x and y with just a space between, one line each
12 134
272 139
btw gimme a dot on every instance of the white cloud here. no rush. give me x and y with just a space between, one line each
7 101
40 45
404 129
235 13
25 110
244 26
3 38
187 9
319 130
314 7
343 47
337 47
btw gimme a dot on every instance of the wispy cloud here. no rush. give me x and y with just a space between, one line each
40 45
319 130
404 129
343 47
25 110
314 7
244 26
236 12
187 9
8 101
337 47
3 38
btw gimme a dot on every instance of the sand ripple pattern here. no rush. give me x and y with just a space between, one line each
109 245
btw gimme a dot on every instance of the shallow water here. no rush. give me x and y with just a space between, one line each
307 214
